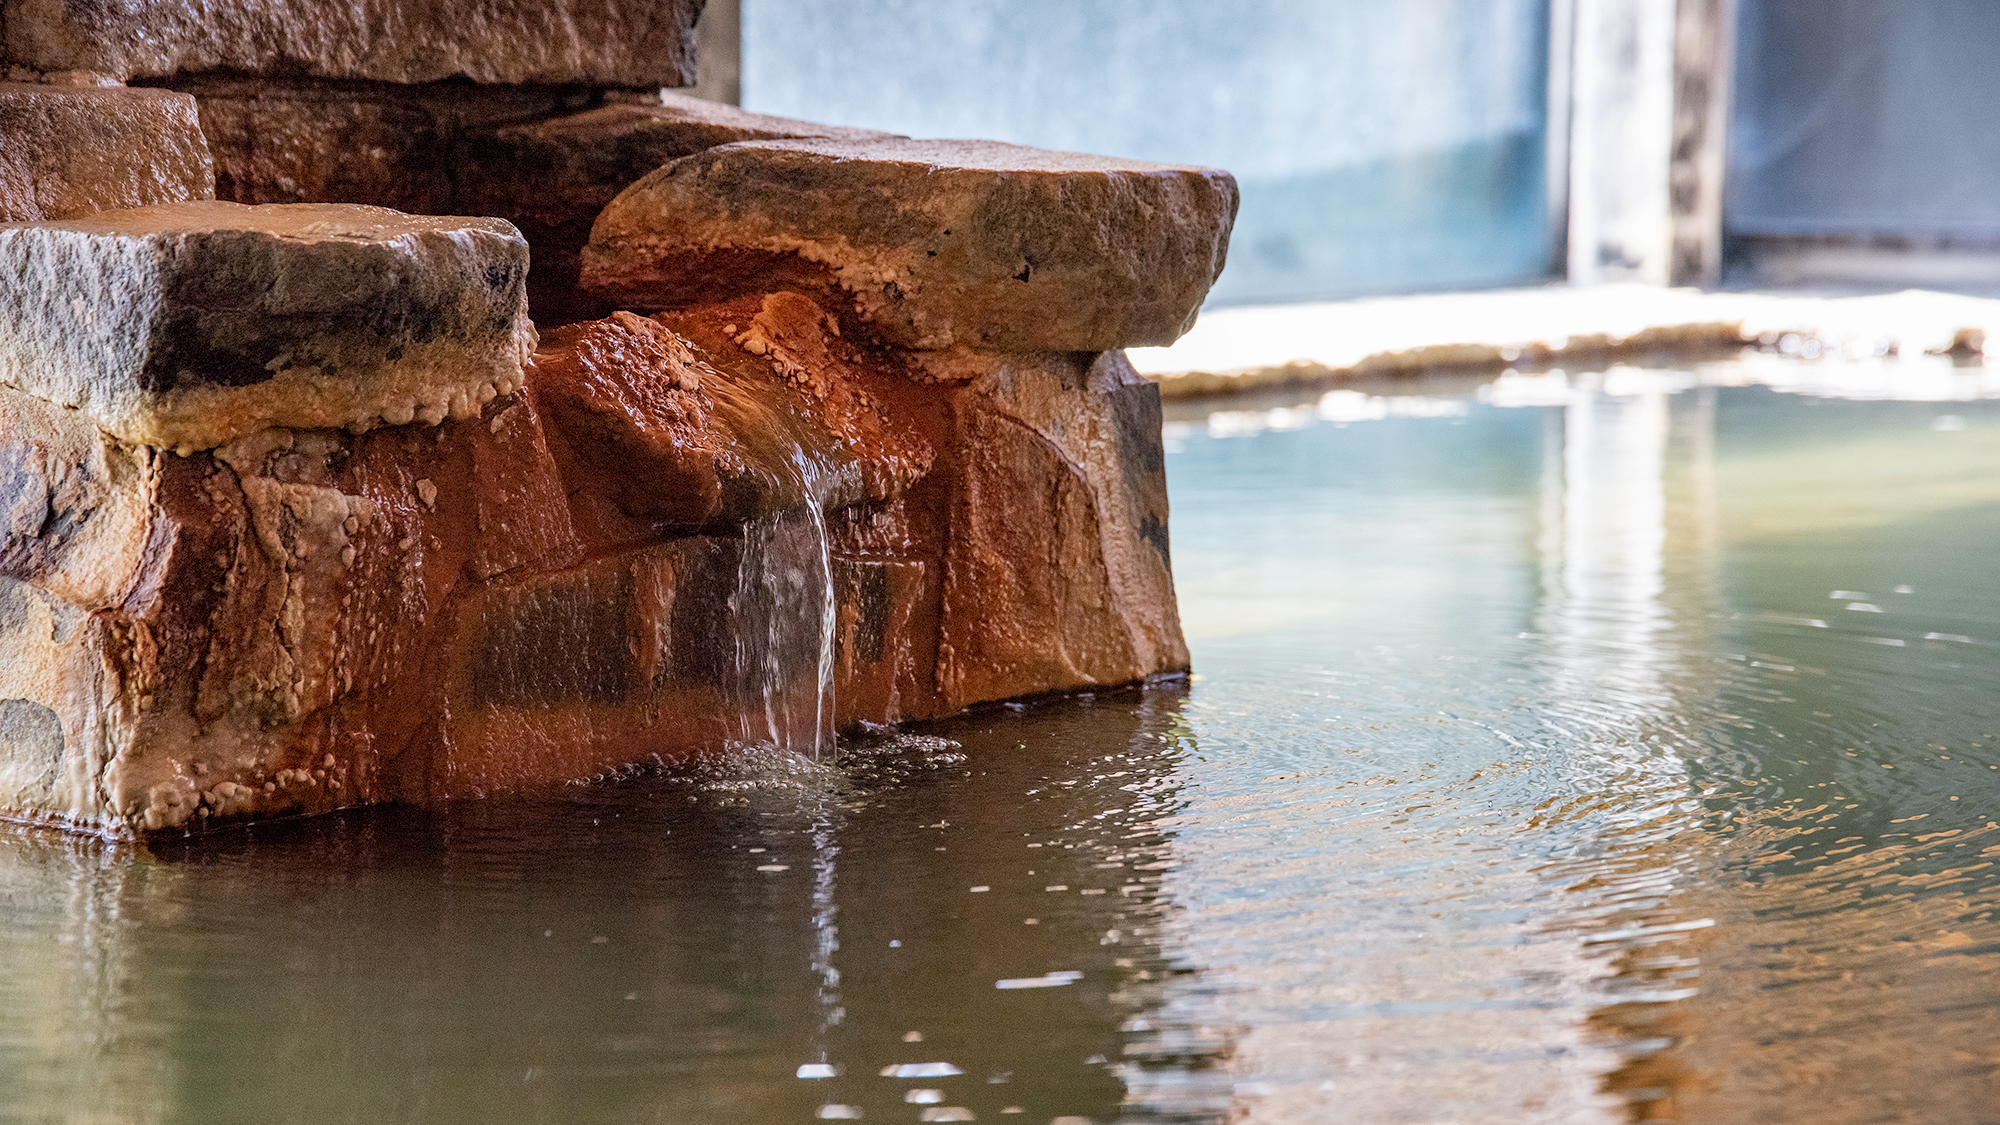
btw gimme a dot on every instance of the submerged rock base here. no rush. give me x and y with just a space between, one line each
301 511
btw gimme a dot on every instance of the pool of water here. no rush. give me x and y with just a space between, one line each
1605 747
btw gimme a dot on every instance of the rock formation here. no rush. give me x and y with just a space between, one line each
143 146
503 42
941 244
300 511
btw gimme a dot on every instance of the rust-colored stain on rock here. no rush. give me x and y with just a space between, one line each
302 620
299 509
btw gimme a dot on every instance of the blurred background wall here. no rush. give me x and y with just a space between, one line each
1380 144
1865 140
1396 145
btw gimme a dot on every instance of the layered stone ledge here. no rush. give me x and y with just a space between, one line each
301 512
71 151
598 42
941 244
187 325
545 158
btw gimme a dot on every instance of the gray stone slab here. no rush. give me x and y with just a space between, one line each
187 325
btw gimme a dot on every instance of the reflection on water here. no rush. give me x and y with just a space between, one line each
693 948
1596 747
1695 677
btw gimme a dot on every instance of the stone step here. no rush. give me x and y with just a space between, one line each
942 244
634 43
67 151
551 177
187 325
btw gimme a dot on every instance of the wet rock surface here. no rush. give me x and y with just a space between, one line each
652 548
526 42
68 151
1058 569
299 510
941 244
187 325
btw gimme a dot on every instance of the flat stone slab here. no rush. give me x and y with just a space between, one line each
188 325
548 42
67 151
943 244
551 177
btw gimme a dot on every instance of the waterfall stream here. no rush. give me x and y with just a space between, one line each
781 615
781 611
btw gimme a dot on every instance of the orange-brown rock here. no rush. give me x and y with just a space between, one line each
303 619
1057 574
68 151
941 244
625 561
632 43
545 159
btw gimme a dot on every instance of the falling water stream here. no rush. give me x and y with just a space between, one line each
1606 747
781 612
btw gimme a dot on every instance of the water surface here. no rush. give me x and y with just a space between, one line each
1618 746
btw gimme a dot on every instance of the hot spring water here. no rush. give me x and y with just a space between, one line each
781 615
1612 747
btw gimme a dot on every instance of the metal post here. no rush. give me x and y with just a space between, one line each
1704 41
718 47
